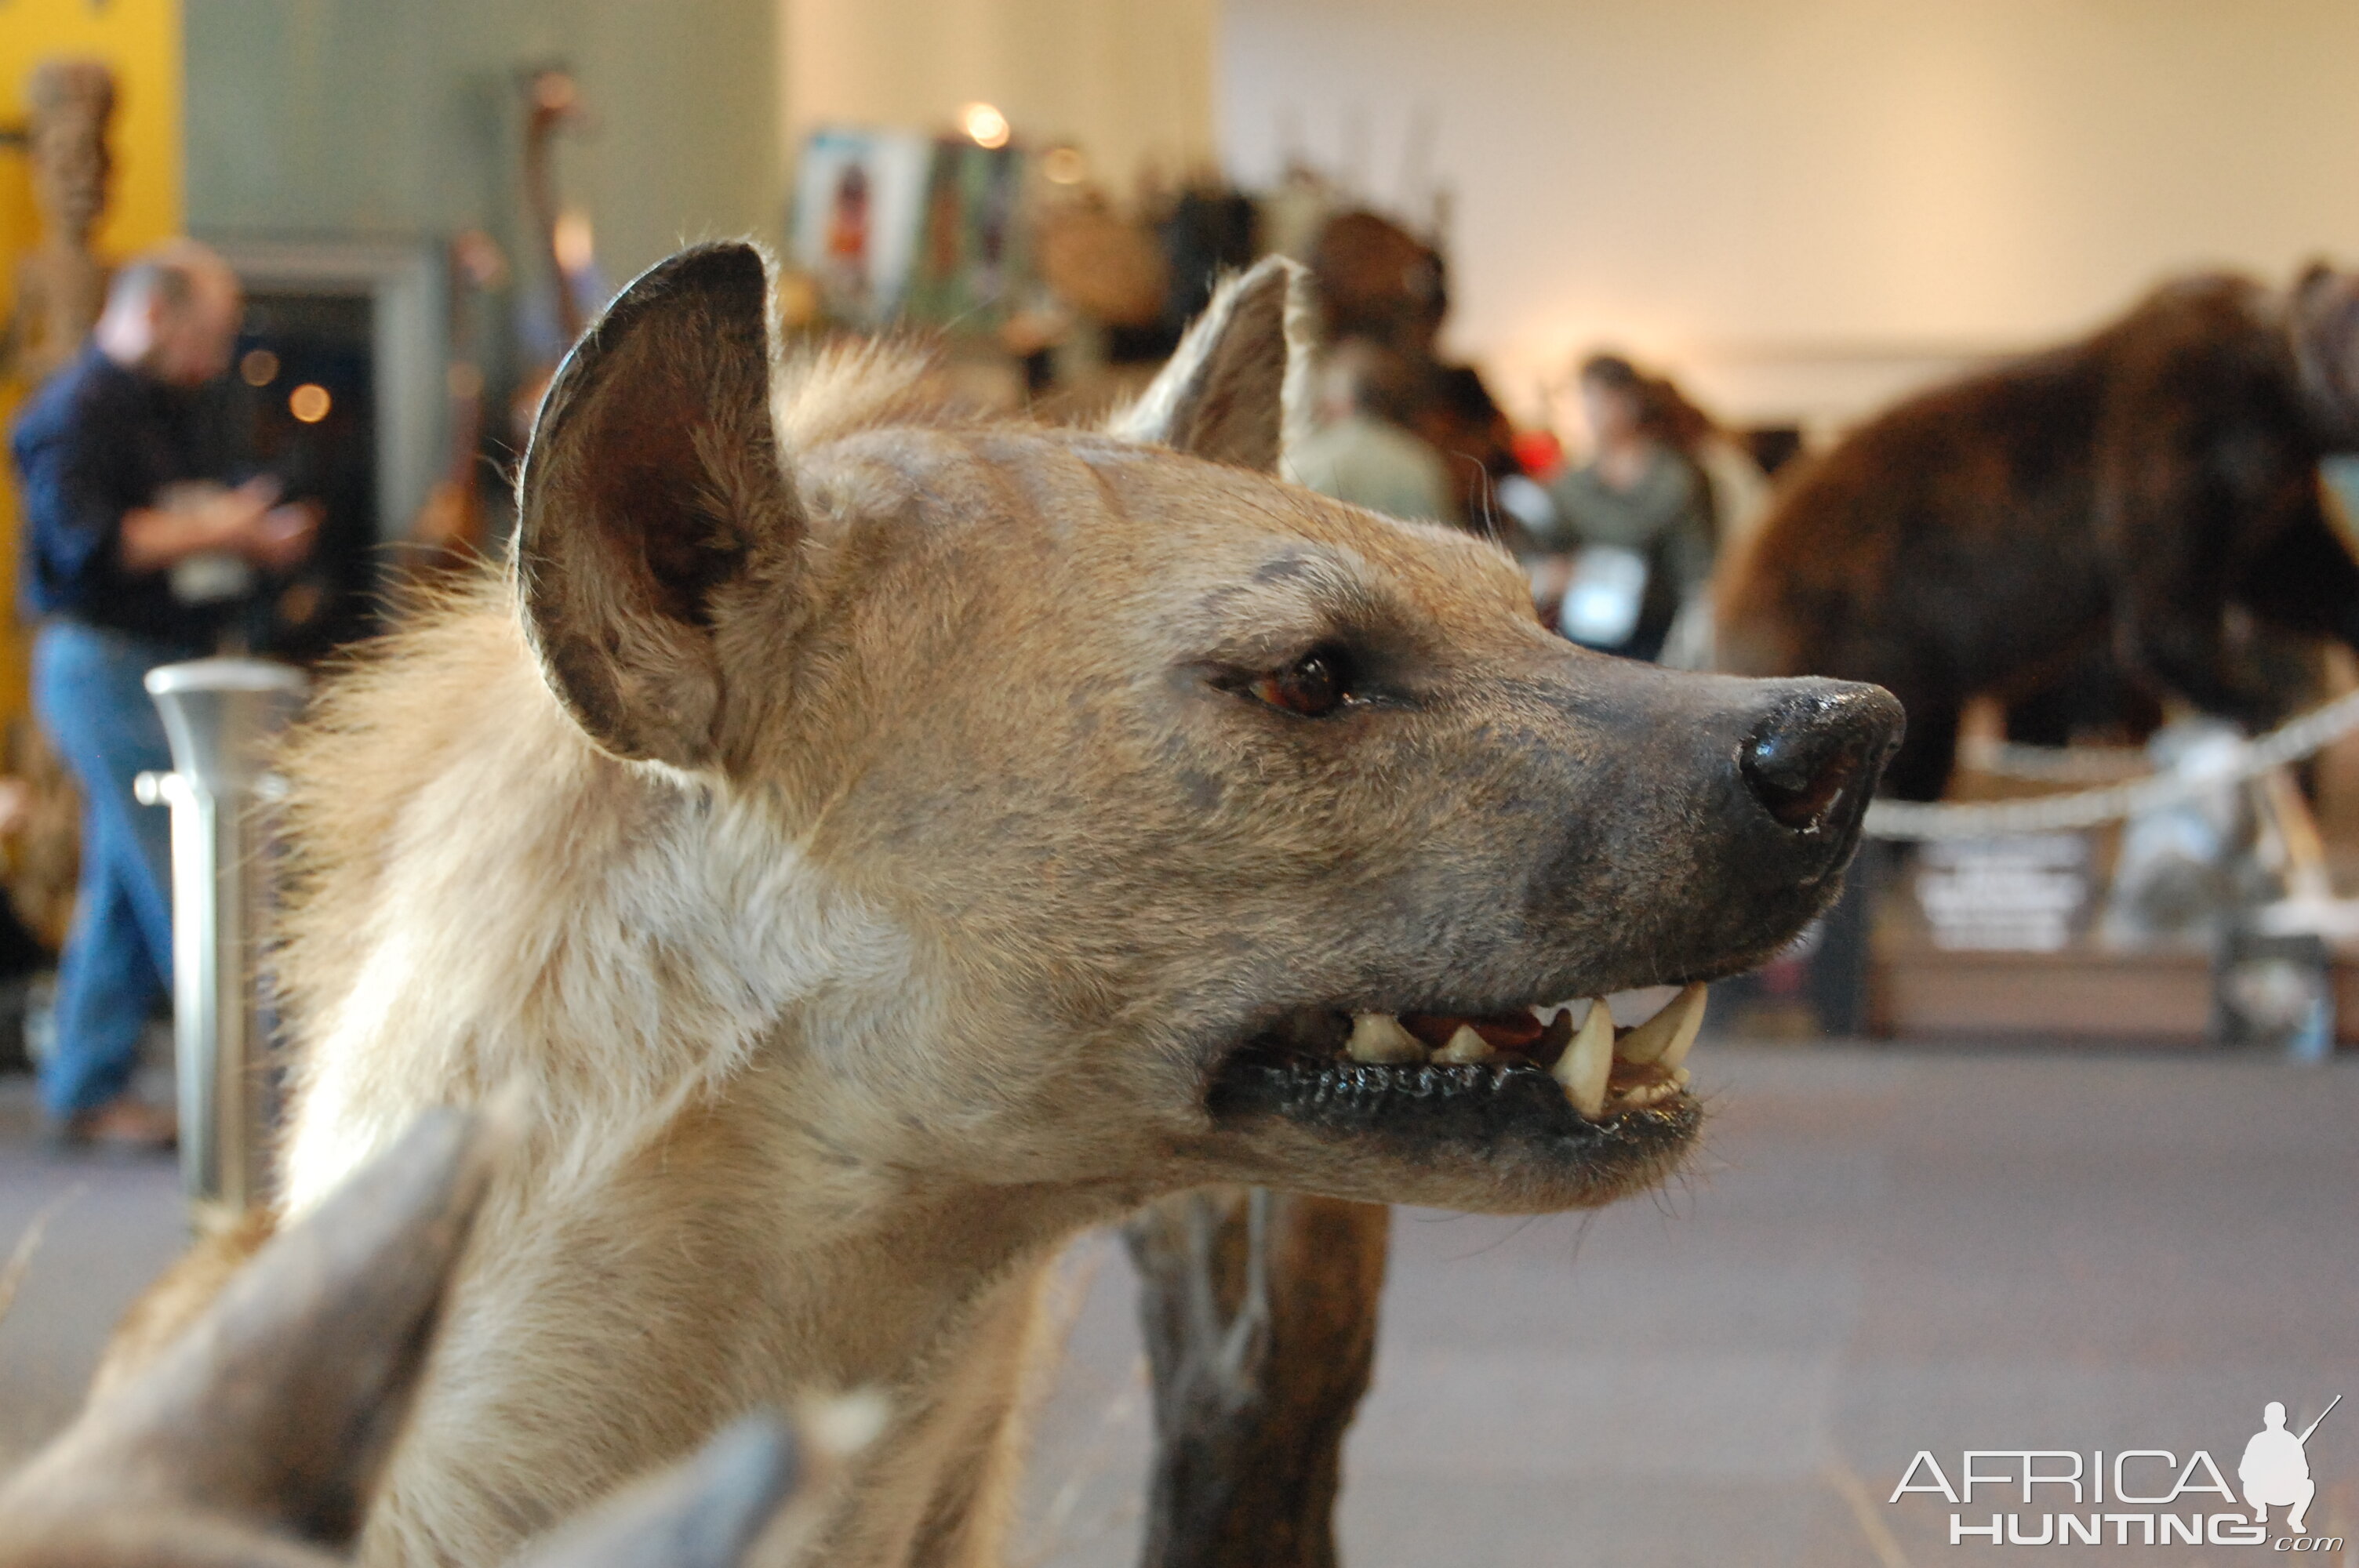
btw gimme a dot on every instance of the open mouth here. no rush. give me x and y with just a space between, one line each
1567 1069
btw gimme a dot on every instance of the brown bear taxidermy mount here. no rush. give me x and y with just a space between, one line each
2153 488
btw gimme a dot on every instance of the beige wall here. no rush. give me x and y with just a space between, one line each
1806 204
1130 81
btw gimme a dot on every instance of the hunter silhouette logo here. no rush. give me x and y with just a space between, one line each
2132 1497
2275 1471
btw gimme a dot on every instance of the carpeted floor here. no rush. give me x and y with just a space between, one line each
1882 1252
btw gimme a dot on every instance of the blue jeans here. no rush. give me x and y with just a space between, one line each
117 963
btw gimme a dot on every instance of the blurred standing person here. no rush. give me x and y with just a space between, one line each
117 506
1633 537
1357 455
1736 497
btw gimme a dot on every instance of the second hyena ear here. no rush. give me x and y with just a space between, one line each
1238 388
277 1408
652 483
708 1511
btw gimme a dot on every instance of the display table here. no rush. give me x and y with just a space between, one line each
1917 991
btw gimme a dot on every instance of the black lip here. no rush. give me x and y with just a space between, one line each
1432 1107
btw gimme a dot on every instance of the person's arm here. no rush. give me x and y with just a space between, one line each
1568 499
152 538
70 508
78 518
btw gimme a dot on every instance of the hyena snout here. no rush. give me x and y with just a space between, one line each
1813 760
1788 771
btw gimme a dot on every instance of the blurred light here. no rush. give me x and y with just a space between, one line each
259 368
309 402
984 124
480 258
465 380
554 93
572 241
1065 166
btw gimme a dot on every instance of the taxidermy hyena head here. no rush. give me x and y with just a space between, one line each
1234 832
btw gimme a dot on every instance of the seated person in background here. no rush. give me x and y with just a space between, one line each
1358 455
1633 537
116 508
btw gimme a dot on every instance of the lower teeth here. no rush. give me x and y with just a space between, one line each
1585 1067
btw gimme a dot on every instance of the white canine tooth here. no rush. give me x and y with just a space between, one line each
1664 1039
1379 1037
1588 1061
1695 999
1465 1045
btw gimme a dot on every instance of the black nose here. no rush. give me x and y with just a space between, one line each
1813 759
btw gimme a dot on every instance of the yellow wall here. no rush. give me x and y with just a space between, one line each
141 39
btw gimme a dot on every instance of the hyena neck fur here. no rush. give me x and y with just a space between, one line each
700 1221
774 1145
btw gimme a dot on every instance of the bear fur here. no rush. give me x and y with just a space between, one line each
2151 490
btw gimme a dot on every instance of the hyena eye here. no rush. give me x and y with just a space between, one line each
1313 686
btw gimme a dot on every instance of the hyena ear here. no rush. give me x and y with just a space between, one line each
652 482
1238 389
708 1511
277 1409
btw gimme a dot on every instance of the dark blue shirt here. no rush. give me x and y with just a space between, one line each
94 442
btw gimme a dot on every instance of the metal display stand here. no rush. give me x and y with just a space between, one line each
219 715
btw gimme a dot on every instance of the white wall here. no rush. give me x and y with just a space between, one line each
1807 204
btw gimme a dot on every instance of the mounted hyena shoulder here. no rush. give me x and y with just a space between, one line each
879 843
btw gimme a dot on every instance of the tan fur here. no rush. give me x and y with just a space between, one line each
179 1295
859 897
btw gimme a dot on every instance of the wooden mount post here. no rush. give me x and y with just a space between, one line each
1260 1315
